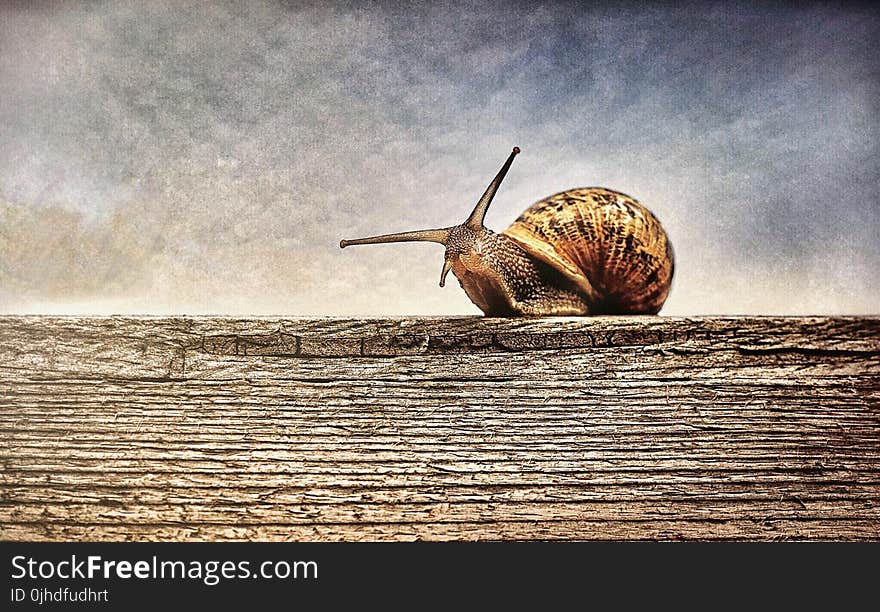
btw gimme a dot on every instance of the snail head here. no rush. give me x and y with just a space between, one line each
459 240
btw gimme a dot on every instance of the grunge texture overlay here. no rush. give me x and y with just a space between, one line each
207 157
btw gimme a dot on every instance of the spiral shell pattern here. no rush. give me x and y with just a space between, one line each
610 245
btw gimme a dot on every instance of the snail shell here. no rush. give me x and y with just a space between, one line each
608 244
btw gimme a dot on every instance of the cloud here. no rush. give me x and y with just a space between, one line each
193 158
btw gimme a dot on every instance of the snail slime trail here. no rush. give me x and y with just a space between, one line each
584 251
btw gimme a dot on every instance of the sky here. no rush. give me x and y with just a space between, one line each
206 158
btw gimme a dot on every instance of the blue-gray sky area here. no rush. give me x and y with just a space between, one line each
206 158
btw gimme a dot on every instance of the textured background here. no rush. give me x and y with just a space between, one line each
174 157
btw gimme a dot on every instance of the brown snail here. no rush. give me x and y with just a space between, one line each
585 251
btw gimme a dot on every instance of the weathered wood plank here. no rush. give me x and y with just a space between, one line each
775 526
465 428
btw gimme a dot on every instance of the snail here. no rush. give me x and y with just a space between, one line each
586 251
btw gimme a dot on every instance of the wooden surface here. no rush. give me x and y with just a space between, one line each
463 428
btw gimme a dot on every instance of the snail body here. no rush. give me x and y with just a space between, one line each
585 251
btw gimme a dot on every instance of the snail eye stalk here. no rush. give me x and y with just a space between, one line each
475 221
432 235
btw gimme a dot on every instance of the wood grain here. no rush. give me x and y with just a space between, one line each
464 428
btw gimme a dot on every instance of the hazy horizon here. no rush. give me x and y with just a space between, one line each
187 158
